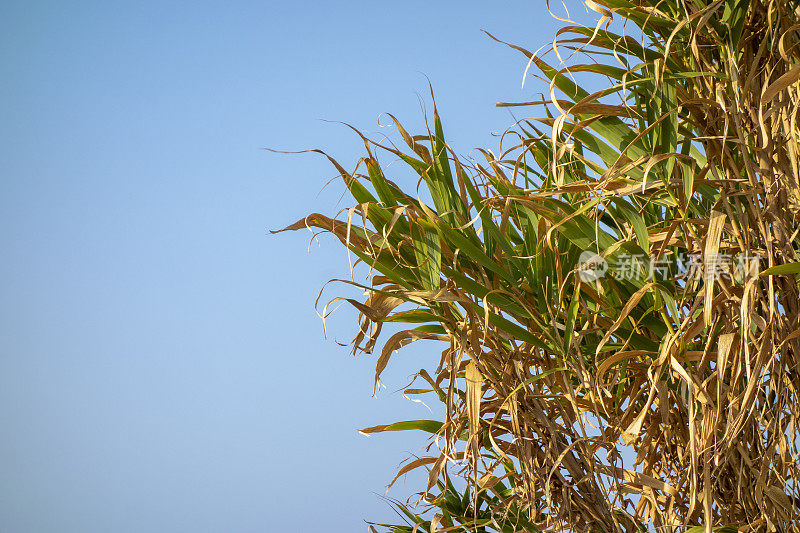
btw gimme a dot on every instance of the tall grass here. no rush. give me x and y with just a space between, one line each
677 174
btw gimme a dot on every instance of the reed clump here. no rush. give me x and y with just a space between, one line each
615 293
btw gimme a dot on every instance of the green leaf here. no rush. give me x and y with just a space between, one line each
718 529
779 270
428 252
430 426
572 313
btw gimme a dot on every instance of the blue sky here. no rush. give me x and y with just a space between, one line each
162 367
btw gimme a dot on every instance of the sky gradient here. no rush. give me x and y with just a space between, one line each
162 367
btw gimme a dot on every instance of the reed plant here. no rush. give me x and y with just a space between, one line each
614 293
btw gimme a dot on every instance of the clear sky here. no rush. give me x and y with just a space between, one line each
162 367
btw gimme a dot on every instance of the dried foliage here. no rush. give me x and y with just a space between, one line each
621 403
